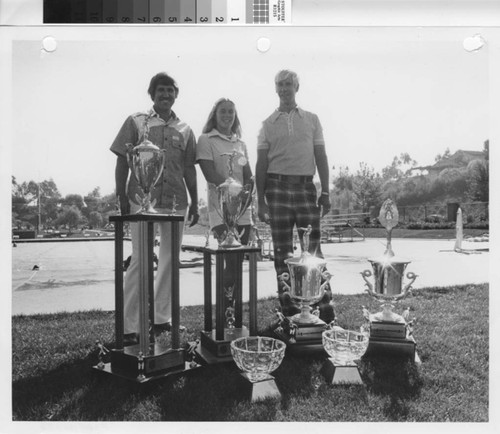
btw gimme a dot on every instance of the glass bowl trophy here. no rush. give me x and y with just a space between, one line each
234 199
389 331
303 331
343 347
257 357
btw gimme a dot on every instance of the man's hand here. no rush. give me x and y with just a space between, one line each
324 203
263 212
193 215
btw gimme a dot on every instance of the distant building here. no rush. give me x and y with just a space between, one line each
458 160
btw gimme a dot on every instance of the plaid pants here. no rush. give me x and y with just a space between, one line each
292 205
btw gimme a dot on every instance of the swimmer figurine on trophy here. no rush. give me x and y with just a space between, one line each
389 331
304 330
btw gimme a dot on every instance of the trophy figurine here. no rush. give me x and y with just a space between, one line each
305 276
146 161
233 199
387 328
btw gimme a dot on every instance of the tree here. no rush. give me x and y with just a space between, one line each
74 200
399 168
342 196
93 202
70 216
439 157
478 178
34 202
367 187
95 219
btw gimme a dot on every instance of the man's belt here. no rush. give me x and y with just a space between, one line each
291 179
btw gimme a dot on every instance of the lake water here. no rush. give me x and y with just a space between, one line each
75 276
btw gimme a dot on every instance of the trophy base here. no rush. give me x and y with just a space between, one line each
163 363
215 351
339 375
304 339
230 244
388 330
305 320
163 359
107 369
406 347
260 390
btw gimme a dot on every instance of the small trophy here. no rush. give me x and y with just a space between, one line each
233 199
257 357
388 329
146 161
344 347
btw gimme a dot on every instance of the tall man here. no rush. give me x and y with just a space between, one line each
168 132
290 148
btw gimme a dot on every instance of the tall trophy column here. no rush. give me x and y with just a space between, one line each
147 359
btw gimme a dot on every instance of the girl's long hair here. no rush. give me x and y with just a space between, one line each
212 121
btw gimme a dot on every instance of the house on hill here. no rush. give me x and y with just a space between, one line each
458 160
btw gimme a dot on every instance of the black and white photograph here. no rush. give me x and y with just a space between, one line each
249 224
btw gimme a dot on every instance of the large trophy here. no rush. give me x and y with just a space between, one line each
389 331
146 161
305 276
233 199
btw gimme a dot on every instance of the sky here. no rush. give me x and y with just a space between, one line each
378 92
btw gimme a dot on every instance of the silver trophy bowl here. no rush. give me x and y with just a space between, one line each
233 200
146 162
305 276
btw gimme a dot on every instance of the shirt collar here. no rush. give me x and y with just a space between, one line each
153 114
216 132
277 113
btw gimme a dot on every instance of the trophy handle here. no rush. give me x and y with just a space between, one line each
283 278
327 276
247 189
365 274
407 288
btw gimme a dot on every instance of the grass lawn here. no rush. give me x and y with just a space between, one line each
53 379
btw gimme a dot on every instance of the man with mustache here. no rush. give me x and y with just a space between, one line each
162 127
290 149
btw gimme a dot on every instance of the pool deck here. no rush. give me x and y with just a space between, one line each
46 279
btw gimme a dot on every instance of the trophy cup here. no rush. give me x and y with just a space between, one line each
389 330
343 347
146 162
233 199
257 357
305 276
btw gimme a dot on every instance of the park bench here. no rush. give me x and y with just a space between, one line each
335 226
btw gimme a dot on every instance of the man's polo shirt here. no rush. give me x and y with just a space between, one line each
290 139
178 140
